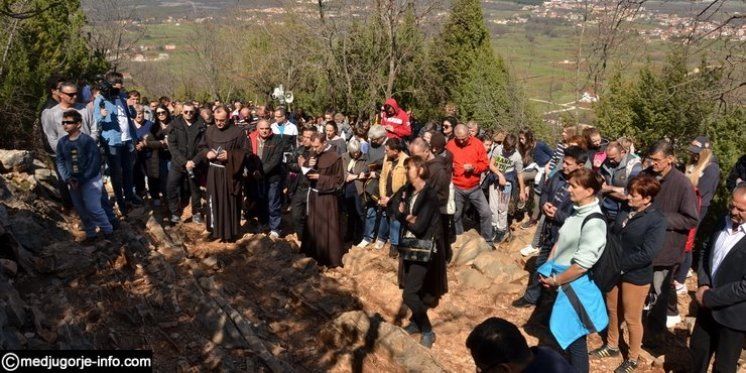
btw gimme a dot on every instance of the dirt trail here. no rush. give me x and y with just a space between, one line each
253 305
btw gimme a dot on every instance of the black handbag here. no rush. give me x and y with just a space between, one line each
416 250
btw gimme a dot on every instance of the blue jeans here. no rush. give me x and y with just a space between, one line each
269 196
387 228
87 201
121 159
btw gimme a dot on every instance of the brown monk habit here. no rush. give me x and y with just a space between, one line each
322 237
224 191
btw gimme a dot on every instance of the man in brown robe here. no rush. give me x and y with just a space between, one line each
322 237
224 147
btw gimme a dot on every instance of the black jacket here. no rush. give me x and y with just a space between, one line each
678 203
300 183
641 239
727 295
556 194
183 142
270 164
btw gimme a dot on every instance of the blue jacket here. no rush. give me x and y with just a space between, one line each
579 308
111 133
79 158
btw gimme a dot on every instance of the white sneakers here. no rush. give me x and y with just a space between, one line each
379 244
529 251
364 243
672 321
274 235
680 288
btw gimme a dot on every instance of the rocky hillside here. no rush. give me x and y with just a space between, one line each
253 305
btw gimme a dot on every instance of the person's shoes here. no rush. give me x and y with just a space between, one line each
627 366
528 224
522 303
427 339
175 219
412 328
680 288
135 201
263 227
274 235
379 244
363 244
393 252
529 250
689 273
672 321
197 218
604 352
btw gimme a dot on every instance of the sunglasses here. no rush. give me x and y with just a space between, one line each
161 112
69 94
446 126
66 122
188 112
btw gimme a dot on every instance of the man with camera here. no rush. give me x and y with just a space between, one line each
113 116
184 138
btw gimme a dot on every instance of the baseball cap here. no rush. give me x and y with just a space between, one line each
701 142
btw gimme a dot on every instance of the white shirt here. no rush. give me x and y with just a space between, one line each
726 240
123 124
290 129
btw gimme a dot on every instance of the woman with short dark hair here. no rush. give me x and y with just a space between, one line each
640 230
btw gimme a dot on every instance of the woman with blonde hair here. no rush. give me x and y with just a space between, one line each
704 173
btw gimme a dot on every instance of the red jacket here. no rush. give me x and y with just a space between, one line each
473 153
400 121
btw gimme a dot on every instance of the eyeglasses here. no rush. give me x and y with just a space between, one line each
66 122
69 94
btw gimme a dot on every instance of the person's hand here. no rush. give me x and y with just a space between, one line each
139 146
351 177
104 112
389 128
401 207
372 175
362 176
700 295
301 160
501 179
223 156
548 282
549 210
468 168
190 165
211 155
524 195
312 162
312 176
411 219
383 201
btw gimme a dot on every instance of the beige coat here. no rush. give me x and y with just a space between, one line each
399 174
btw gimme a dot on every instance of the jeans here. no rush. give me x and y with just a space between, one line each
476 197
533 290
499 201
87 201
270 204
174 184
578 353
370 224
120 159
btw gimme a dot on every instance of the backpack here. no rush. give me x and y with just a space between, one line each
607 271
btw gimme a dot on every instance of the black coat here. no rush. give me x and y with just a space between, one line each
738 172
427 226
727 296
641 239
270 164
183 142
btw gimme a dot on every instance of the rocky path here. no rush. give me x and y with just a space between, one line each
253 305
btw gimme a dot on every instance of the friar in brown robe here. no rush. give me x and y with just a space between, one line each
322 237
224 148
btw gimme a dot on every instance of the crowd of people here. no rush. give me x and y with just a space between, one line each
614 229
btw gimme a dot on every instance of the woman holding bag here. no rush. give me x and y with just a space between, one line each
640 231
579 307
422 262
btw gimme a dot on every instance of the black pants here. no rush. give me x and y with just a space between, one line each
173 186
710 337
578 353
414 273
298 210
